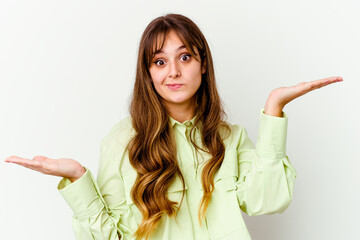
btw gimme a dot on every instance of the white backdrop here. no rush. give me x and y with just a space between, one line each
67 69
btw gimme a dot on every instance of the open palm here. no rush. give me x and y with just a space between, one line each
284 95
62 167
281 96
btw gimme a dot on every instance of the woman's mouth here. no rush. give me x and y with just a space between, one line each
174 86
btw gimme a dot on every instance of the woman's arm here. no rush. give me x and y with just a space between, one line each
93 218
266 176
98 205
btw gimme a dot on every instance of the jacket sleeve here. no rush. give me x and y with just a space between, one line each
98 205
266 176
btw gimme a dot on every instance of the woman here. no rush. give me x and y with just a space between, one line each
174 169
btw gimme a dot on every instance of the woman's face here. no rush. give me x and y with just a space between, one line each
176 74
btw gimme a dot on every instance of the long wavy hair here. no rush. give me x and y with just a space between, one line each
152 151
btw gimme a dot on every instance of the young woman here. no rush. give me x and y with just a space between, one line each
174 169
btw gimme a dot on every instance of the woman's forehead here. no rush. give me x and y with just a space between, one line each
159 41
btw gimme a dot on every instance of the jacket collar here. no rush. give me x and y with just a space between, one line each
187 123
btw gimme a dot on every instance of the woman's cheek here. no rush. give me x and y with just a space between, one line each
159 78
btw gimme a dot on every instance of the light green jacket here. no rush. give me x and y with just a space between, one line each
255 180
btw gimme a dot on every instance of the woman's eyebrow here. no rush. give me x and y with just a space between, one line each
178 49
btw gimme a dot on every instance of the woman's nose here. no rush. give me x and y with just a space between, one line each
174 70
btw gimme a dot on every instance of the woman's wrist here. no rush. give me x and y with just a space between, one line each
79 175
273 109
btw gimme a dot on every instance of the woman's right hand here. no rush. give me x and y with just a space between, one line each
62 167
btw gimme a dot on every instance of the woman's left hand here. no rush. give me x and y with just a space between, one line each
279 97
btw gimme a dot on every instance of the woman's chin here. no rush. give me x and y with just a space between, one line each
178 101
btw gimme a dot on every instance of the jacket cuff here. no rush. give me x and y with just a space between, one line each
271 141
81 195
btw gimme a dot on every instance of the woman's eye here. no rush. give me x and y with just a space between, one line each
156 62
186 55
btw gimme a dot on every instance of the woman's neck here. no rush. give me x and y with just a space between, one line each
181 112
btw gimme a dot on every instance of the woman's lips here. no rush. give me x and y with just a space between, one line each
174 86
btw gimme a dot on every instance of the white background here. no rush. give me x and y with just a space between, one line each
67 70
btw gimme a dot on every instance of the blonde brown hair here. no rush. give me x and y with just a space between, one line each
152 151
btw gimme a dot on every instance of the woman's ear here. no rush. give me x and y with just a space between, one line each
203 68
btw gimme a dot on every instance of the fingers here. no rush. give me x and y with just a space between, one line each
18 160
35 164
312 85
325 81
